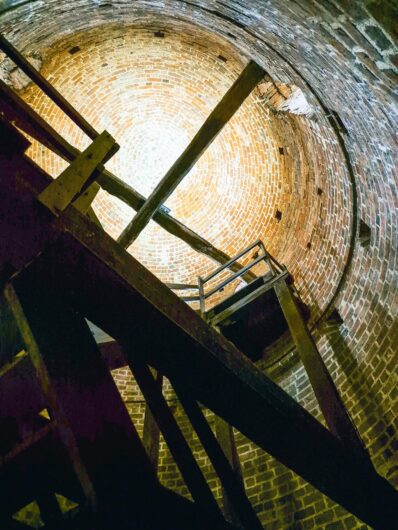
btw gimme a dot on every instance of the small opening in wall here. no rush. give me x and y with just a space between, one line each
74 50
159 34
278 215
335 317
309 245
335 119
364 234
222 58
281 151
232 36
319 191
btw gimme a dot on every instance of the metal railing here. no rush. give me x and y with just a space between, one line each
201 296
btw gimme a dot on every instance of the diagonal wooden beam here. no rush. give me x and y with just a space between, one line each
46 87
17 111
219 117
78 175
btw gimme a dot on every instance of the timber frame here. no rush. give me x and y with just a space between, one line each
53 273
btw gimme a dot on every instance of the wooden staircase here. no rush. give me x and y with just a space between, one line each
58 267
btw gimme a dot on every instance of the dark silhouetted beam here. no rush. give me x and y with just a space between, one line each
231 482
219 117
151 431
330 402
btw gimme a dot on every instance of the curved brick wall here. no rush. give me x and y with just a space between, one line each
124 79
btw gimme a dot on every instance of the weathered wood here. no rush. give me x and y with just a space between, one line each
329 400
226 439
218 118
218 452
18 112
85 200
151 431
67 188
46 87
134 303
176 442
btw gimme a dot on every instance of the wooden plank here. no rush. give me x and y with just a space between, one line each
151 431
329 400
218 453
226 439
218 118
85 200
18 112
46 87
134 303
78 175
176 442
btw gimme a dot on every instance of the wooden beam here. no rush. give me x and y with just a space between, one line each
17 111
176 442
46 87
329 400
68 187
151 431
226 439
218 118
231 481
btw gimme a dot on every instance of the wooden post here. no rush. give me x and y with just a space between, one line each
47 88
176 442
331 405
237 506
226 439
67 188
218 118
151 432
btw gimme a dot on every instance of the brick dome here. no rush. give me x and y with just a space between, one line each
150 73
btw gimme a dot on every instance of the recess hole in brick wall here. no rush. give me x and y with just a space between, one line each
278 215
364 234
335 317
74 50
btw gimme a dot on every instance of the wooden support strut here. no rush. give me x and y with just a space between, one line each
15 110
218 118
226 439
331 405
78 175
46 87
176 442
231 482
151 431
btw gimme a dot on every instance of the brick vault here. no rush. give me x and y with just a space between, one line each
308 165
